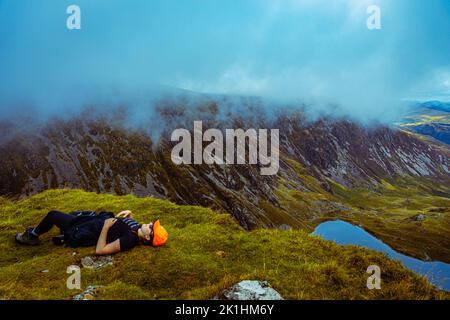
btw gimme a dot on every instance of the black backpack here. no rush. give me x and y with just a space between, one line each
85 229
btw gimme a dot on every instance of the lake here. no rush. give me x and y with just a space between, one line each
344 233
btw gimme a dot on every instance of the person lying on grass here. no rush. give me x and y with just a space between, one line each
110 234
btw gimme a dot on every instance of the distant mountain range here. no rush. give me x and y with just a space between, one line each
431 119
437 105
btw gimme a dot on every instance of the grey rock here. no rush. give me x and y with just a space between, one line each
251 290
285 227
90 293
97 263
419 217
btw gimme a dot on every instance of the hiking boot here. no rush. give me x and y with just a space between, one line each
27 238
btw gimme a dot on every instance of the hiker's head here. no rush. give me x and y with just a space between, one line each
146 233
153 234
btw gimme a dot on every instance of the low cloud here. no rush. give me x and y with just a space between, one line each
317 53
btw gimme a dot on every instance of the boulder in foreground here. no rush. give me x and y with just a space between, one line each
251 290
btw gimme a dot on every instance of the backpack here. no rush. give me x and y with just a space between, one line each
85 229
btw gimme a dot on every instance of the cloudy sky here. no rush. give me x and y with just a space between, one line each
316 51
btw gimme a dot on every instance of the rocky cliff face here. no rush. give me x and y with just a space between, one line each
103 156
359 157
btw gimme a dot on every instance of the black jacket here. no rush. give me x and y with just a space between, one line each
85 230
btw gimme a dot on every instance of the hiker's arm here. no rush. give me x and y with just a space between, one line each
124 214
110 248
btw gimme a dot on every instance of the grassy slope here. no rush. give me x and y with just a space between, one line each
388 212
299 266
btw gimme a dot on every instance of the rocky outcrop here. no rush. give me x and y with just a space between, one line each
90 293
97 263
251 290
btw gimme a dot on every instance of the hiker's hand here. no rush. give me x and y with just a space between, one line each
124 214
109 222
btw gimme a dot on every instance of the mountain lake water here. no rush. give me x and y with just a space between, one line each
344 233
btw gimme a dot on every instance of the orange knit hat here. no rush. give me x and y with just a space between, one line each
160 234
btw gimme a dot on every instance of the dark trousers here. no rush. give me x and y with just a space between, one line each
54 218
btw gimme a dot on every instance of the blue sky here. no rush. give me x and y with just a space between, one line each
317 51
